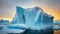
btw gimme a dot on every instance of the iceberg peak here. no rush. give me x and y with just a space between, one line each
37 7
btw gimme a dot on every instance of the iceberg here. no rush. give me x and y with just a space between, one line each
34 18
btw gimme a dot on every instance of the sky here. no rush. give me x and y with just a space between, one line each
8 7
